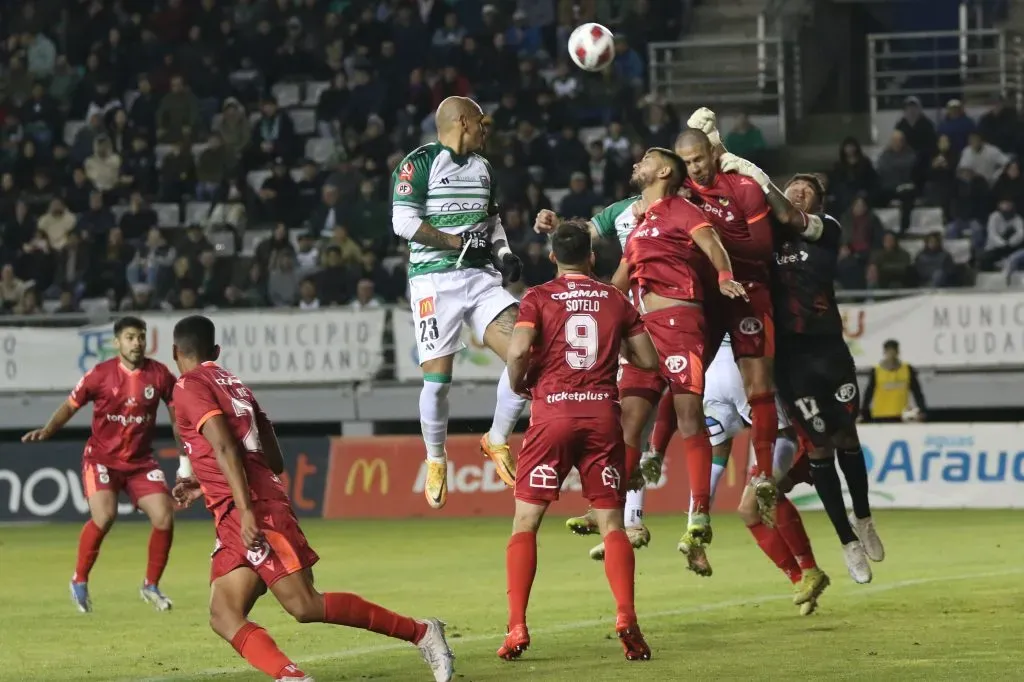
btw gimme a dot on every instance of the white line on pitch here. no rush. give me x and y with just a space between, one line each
584 624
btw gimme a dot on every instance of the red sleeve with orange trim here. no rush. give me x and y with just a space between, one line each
529 313
751 201
194 403
86 389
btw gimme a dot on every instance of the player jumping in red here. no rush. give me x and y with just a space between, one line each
564 352
739 210
236 457
126 392
670 279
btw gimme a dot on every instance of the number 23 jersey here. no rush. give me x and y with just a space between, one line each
580 324
206 392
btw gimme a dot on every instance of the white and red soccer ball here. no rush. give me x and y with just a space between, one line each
592 47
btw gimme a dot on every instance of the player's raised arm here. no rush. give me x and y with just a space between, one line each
620 279
707 239
809 226
547 221
81 394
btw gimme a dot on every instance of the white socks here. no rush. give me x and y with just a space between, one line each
785 452
506 412
635 508
434 411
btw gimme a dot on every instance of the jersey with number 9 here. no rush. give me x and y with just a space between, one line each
206 392
580 324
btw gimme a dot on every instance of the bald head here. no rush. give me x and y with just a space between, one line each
694 147
461 125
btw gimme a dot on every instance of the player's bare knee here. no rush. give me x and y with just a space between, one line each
104 520
609 520
307 607
690 416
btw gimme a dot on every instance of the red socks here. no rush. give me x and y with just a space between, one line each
791 528
159 550
345 608
632 460
520 570
764 418
89 542
619 568
258 648
665 424
772 544
697 450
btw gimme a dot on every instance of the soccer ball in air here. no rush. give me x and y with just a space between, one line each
592 47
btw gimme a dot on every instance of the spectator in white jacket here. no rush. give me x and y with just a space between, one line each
984 159
1005 234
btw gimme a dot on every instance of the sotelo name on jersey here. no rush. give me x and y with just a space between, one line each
576 396
573 302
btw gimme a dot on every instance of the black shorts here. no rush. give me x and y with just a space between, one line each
817 380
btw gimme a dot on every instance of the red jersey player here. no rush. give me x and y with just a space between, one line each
565 351
126 392
737 207
668 257
235 457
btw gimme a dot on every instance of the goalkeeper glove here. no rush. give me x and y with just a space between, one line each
509 264
705 120
730 163
475 246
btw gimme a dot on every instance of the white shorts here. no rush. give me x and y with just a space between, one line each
726 410
443 301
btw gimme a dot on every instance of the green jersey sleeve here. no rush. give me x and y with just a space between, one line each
410 180
606 219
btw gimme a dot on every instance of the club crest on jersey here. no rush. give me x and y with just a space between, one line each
675 363
751 326
724 201
570 285
818 424
149 392
846 393
259 555
485 181
403 188
406 171
610 478
544 476
426 306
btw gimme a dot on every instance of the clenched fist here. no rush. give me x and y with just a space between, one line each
546 221
705 120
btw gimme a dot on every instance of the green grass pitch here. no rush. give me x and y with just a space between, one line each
947 604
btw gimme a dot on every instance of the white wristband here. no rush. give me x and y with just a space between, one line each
503 251
184 467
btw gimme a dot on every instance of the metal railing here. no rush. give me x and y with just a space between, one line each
728 74
976 65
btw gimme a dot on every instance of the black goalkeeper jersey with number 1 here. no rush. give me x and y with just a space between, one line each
803 282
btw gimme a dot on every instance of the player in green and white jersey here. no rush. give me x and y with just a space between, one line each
617 221
444 200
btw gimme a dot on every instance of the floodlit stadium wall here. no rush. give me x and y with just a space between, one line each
915 466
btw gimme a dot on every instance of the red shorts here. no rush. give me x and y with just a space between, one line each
678 333
143 480
751 325
641 383
593 445
285 551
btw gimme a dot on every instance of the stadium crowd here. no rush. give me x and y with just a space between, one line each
199 153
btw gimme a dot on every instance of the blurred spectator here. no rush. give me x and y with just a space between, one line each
41 116
604 173
307 295
332 283
110 270
36 261
1000 126
143 110
138 220
896 167
178 118
212 169
366 217
72 265
627 65
369 268
308 189
933 264
940 177
40 194
351 252
746 140
273 136
121 133
270 249
66 303
862 230
211 279
1005 234
581 200
307 256
366 296
277 197
918 130
178 173
1010 184
569 157
850 270
852 174
254 288
142 299
972 197
617 145
656 123
57 223
95 223
536 199
283 283
983 159
41 53
537 268
138 168
29 303
234 129
186 298
228 208
961 227
195 243
328 213
890 266
956 125
565 83
152 263
11 288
